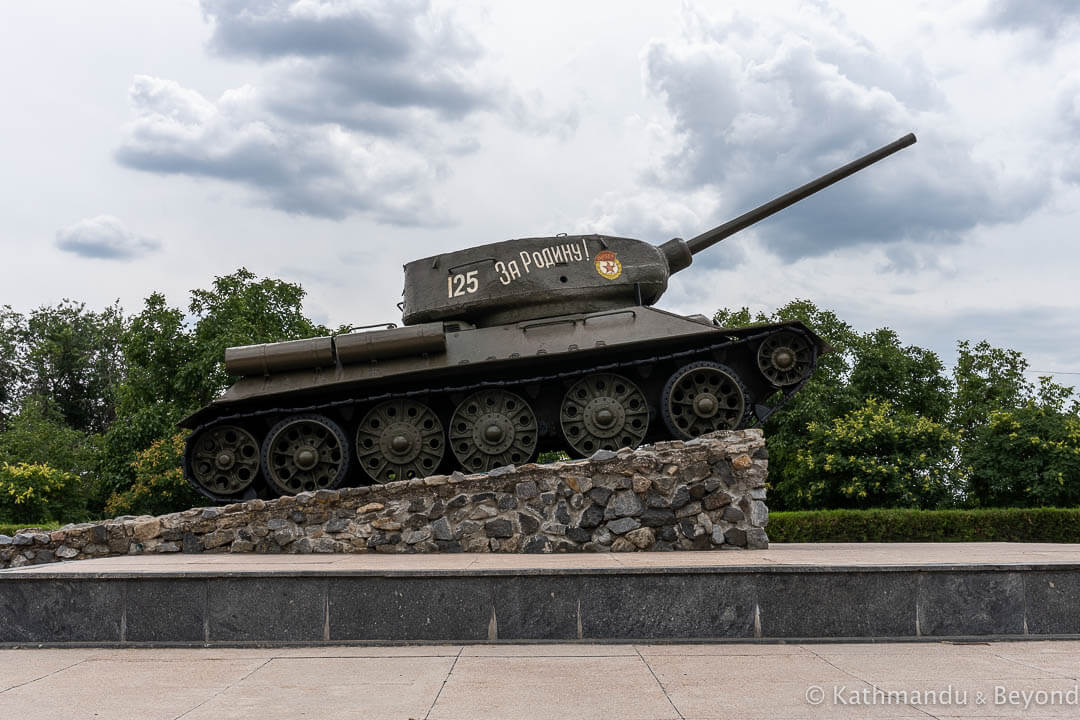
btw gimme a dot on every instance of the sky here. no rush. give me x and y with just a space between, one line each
153 146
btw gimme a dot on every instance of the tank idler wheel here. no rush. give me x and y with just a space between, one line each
785 358
492 428
400 440
603 411
224 459
703 397
305 453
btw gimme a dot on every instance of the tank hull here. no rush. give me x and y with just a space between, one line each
535 363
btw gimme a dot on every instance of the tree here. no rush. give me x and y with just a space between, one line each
241 310
1026 457
158 348
987 379
1019 445
73 362
63 365
910 378
12 337
37 436
874 456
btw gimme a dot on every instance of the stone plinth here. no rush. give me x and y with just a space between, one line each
703 494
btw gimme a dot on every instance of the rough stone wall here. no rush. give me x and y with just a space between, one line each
707 493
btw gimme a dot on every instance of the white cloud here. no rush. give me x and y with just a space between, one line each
323 170
397 68
104 237
360 109
386 68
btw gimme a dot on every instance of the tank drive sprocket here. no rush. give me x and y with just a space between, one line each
786 358
491 428
702 397
400 440
603 411
305 453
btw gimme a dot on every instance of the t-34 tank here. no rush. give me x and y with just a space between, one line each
507 350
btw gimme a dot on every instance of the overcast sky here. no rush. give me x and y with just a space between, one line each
153 145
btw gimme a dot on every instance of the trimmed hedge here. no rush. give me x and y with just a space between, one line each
1052 525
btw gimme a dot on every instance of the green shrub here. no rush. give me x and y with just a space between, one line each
134 432
874 456
38 494
1054 525
552 456
159 485
1027 457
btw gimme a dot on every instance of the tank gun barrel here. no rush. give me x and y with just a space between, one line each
710 237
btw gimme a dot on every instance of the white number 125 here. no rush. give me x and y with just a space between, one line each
461 283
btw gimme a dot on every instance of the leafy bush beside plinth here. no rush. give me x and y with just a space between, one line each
159 486
37 493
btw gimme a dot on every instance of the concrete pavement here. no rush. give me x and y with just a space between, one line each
503 682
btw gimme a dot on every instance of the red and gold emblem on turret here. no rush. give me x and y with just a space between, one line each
608 265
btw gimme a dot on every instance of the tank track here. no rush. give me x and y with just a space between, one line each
755 413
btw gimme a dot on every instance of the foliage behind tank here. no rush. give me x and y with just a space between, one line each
508 349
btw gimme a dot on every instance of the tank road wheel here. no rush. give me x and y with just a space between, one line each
305 452
603 411
785 358
400 440
702 397
492 428
224 459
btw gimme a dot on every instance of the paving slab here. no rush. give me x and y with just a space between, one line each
772 698
19 667
122 689
956 663
370 687
589 688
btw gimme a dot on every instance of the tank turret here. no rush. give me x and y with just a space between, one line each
508 350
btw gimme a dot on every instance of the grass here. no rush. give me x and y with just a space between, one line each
12 528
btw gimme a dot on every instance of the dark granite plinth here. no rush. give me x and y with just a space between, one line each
401 600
